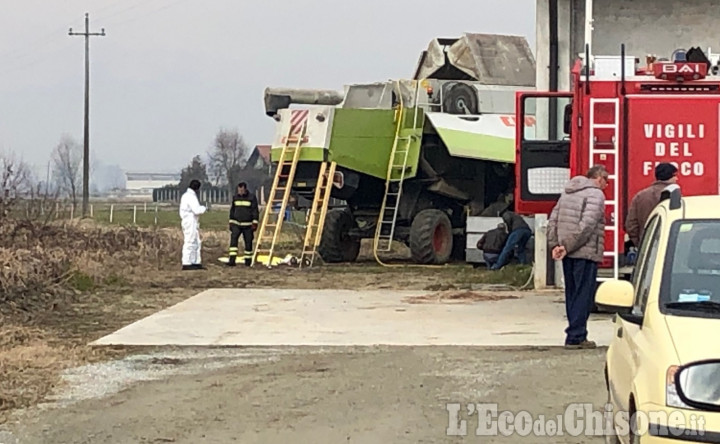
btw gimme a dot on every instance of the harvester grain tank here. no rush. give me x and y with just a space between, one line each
413 157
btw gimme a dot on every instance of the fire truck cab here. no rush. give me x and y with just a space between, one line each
627 117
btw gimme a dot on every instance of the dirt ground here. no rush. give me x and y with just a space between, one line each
363 395
379 394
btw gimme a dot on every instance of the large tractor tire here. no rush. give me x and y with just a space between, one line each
336 245
431 237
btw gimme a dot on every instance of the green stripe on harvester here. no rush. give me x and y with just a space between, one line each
487 137
478 146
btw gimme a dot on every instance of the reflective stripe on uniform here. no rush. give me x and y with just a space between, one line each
242 224
248 255
242 203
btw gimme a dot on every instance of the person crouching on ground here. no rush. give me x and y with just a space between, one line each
190 211
492 243
576 235
518 237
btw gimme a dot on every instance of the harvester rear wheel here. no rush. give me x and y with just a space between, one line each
431 237
336 245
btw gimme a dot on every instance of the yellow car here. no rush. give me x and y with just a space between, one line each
662 369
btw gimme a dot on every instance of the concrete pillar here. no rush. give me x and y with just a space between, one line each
559 276
566 19
542 55
541 252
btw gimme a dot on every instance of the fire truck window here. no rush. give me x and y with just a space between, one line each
567 119
549 117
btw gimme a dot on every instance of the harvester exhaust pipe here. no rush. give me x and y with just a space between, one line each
281 98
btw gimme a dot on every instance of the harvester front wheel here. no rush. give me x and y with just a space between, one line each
431 237
336 245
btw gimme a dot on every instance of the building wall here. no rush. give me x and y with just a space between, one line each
645 26
137 185
650 26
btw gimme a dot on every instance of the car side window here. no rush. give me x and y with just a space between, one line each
648 258
643 249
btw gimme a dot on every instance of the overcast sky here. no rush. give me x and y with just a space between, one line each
170 73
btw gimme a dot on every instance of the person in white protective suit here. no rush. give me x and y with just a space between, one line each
190 211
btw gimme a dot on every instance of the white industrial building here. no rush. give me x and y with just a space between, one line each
143 184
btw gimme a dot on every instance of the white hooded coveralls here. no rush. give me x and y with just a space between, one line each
190 211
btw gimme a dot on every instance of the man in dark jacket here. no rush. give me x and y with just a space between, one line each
645 201
244 215
519 236
492 243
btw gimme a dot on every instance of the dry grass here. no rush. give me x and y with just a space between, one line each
29 366
46 271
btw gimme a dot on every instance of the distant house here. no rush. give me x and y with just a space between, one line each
145 183
260 158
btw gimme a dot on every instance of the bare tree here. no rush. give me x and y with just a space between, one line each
15 181
227 155
67 166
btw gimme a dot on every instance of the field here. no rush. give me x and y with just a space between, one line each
148 214
68 282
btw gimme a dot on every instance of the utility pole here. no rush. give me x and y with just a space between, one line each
86 149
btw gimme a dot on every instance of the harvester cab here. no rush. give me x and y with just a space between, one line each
628 116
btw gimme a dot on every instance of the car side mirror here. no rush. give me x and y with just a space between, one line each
698 385
616 295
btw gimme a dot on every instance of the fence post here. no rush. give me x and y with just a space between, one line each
112 207
156 214
134 214
92 211
57 210
145 209
72 212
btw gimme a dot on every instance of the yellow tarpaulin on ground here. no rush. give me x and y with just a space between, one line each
262 259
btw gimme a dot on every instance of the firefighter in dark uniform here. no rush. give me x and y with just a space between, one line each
244 215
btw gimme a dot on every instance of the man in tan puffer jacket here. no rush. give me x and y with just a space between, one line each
576 235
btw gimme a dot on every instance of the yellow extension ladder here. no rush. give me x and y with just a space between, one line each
318 211
397 167
271 225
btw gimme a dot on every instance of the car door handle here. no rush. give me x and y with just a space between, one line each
620 332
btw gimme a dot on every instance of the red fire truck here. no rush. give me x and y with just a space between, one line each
629 118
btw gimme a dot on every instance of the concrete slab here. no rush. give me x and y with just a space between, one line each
270 317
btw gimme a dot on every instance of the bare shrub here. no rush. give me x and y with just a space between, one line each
15 179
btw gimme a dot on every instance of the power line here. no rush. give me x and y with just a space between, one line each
86 139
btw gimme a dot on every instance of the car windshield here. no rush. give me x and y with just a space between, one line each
691 281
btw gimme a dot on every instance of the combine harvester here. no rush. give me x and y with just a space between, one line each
411 158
